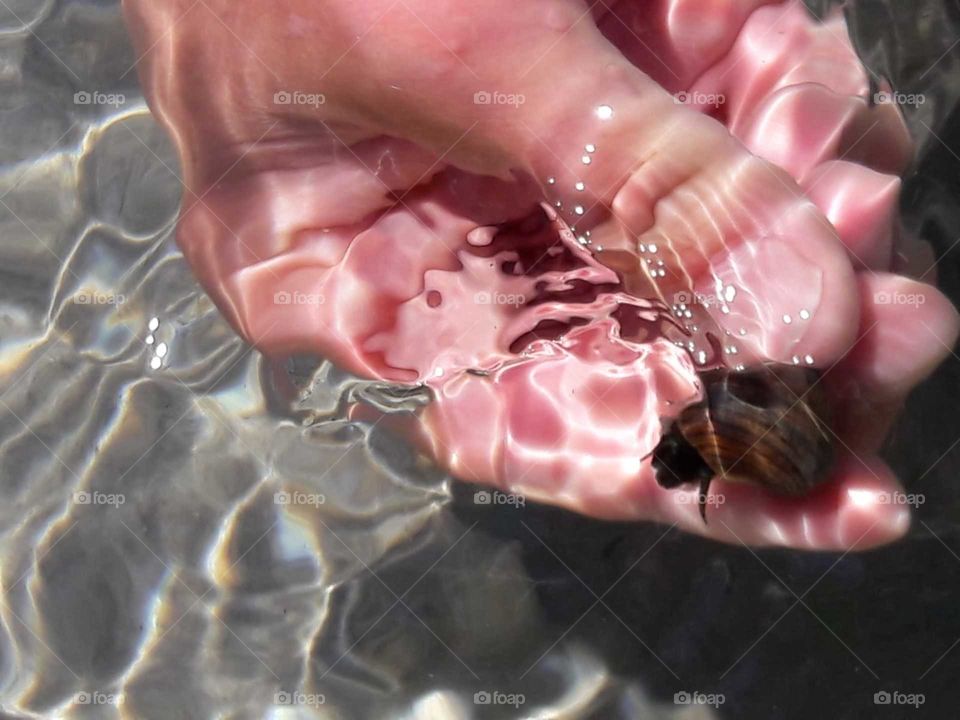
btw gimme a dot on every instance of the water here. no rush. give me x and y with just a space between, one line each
192 532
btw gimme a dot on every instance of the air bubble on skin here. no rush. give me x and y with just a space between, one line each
743 332
652 247
725 310
796 359
580 186
701 358
585 160
558 204
582 240
729 293
150 340
604 112
740 368
804 315
153 324
590 148
155 363
551 181
690 346
578 209
808 359
642 247
688 315
731 350
787 319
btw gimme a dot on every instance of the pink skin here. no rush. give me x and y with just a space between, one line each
394 227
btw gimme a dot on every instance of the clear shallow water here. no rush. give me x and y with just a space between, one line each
203 594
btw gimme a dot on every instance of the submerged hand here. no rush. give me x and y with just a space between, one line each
364 179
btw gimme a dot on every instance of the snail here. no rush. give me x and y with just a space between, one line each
765 425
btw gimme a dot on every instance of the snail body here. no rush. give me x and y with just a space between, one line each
766 425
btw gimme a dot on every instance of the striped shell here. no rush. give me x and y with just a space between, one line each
766 425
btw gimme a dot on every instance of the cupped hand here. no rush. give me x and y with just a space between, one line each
366 180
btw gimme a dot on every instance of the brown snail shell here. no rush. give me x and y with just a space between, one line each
766 425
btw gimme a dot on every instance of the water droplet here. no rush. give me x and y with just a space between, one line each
701 357
155 363
808 359
725 310
787 319
162 350
643 248
578 209
153 324
150 340
551 181
590 148
558 204
743 332
604 112
796 359
740 368
804 315
652 247
585 159
580 186
729 293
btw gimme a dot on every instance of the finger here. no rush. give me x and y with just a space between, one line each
906 330
856 511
